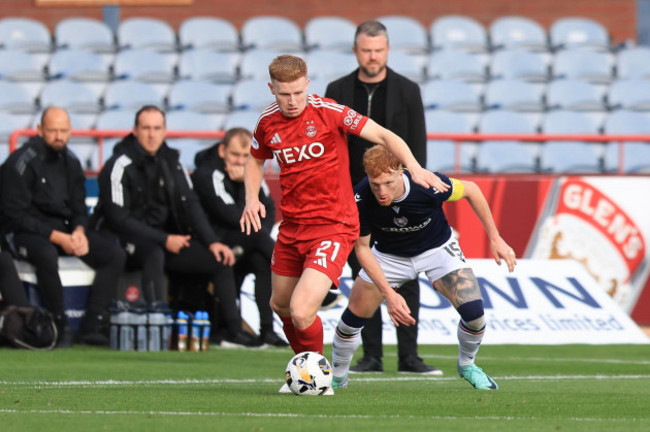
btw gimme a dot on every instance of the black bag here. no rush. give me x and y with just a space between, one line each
27 327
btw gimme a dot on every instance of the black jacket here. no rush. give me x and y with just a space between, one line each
404 113
42 190
223 199
125 195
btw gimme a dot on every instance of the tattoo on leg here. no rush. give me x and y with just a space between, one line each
459 286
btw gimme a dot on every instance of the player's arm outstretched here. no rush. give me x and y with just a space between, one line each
379 135
397 308
500 249
254 209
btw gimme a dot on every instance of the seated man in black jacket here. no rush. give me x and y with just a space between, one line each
219 182
146 197
44 208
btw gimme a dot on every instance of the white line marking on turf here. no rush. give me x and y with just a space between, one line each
170 382
317 416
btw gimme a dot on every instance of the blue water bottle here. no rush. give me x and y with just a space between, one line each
182 330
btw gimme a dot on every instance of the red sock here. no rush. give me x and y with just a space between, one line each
290 333
311 338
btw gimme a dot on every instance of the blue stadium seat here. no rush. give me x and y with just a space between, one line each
450 95
458 32
636 154
131 95
405 34
84 33
411 66
208 33
25 34
456 65
633 63
251 95
577 96
581 64
14 99
73 96
244 118
146 33
8 124
513 95
199 96
254 64
143 65
518 32
118 119
329 33
330 65
208 65
441 154
271 32
190 121
578 32
631 94
519 64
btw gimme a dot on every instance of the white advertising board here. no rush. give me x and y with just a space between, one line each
543 302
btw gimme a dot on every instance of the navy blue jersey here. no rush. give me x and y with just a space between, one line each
412 224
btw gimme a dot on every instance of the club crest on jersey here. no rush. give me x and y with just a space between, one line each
311 129
400 221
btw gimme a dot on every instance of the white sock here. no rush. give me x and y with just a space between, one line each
469 341
346 341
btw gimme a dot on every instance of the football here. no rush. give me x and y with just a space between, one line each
308 374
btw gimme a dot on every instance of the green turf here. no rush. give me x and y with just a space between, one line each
563 388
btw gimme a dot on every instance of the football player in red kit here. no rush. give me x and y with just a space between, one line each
307 136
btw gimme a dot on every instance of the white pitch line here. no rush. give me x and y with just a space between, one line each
314 416
540 359
355 378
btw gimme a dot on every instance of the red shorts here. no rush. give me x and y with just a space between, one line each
321 247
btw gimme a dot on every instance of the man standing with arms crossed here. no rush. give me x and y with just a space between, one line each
306 135
393 101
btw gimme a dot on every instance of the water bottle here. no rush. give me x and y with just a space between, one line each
127 331
140 321
195 333
168 334
182 330
205 333
156 321
119 312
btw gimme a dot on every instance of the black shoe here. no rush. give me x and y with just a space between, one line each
414 364
270 338
94 330
241 340
368 364
65 338
331 300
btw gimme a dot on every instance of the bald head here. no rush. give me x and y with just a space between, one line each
55 127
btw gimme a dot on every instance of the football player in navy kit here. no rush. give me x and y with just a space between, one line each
411 235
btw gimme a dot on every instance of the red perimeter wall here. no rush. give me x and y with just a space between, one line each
619 16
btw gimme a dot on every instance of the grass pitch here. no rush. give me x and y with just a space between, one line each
547 388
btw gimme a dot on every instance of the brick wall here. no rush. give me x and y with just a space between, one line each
619 16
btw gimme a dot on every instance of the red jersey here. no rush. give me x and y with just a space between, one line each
312 152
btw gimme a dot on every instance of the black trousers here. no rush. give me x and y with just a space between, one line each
196 259
105 256
11 288
256 259
407 336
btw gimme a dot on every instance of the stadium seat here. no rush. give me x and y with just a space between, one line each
330 65
441 154
506 156
118 119
146 33
208 33
70 95
318 86
633 63
251 95
450 95
519 64
84 33
455 65
457 32
79 65
199 96
570 156
631 94
411 66
208 65
518 32
143 65
190 121
581 64
329 33
14 99
405 34
513 95
8 123
636 154
25 34
578 32
574 95
129 94
271 32
244 118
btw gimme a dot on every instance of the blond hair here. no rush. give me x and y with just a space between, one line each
287 68
377 160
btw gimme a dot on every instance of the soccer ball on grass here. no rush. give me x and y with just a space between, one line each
308 373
